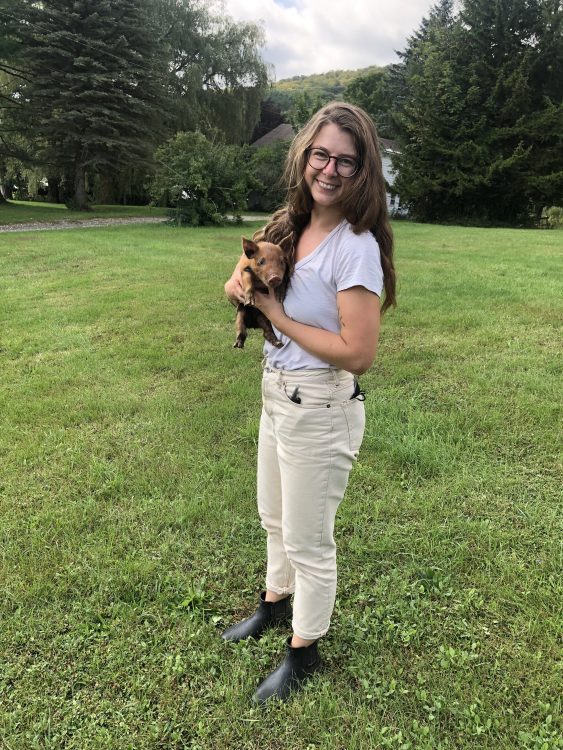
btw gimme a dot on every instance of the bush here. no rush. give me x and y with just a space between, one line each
202 180
554 217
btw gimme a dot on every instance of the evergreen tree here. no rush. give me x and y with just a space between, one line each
481 123
12 76
93 94
435 143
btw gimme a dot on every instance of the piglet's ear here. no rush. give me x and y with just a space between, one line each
250 248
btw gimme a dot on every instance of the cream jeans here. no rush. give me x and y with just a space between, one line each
305 452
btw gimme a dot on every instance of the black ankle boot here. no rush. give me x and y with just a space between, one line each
267 615
299 664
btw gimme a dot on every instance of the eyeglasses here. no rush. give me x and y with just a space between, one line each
318 158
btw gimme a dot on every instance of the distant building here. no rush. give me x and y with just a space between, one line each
389 147
285 132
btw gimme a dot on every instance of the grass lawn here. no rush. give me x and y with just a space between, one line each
128 529
24 212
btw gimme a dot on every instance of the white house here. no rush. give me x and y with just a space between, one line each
387 149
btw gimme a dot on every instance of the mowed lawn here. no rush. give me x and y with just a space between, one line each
128 530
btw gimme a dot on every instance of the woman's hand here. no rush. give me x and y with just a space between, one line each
270 306
234 290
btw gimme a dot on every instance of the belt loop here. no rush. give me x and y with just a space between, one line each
335 378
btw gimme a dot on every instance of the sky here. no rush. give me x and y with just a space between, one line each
315 36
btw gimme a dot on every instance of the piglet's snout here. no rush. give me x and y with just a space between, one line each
274 281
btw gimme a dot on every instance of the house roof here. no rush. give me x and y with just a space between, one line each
283 132
389 145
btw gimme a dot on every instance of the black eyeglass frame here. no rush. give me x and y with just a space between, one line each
336 160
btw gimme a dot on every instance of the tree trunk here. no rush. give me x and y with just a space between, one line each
80 199
106 193
6 191
53 187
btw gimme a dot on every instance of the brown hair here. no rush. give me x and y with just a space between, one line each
364 202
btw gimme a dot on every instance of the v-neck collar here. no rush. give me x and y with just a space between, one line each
320 246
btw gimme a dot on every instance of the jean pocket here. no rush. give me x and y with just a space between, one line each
355 415
307 395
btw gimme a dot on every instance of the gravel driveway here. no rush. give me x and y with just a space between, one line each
78 224
39 226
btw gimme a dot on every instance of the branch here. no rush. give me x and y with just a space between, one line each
16 72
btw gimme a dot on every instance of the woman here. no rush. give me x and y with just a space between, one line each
313 418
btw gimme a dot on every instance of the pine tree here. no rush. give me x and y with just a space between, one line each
93 96
481 123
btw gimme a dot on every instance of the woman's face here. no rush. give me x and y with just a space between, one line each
326 185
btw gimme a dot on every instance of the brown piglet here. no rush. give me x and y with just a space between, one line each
264 267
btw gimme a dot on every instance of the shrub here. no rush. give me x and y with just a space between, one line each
202 180
554 217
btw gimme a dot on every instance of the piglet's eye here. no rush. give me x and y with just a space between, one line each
261 262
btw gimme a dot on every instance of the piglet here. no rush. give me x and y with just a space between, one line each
265 268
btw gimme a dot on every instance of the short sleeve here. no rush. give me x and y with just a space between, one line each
358 263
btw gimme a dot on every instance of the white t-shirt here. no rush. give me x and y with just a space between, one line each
341 261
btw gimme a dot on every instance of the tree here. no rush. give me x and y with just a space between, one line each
303 108
103 82
217 78
265 167
93 94
481 119
373 92
11 75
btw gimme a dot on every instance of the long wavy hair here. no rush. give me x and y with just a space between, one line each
364 200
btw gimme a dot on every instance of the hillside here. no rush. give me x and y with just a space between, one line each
319 86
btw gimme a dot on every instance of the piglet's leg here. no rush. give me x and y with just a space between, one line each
247 287
240 328
263 323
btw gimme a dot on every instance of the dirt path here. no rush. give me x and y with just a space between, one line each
38 226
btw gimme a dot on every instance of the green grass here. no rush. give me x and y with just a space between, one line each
128 530
24 212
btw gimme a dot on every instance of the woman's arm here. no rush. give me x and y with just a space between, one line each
352 349
233 287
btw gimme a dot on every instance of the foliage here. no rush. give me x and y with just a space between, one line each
217 78
554 216
265 167
93 87
303 107
373 92
480 118
92 95
201 179
128 528
318 87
